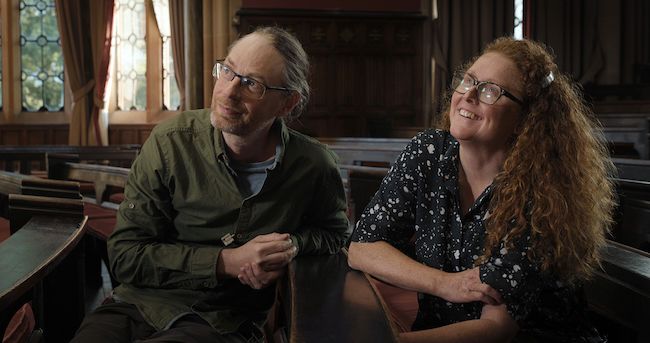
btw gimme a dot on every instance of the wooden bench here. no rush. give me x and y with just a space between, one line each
324 300
632 169
102 177
362 183
14 183
627 128
632 216
40 260
372 152
23 159
630 128
107 183
620 293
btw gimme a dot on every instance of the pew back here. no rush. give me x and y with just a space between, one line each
66 167
326 301
632 169
620 292
39 260
372 152
14 183
627 129
24 158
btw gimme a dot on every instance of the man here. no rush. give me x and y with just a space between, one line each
218 203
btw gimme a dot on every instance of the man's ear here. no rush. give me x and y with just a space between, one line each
290 101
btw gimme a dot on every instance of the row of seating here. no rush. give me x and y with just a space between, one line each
33 164
363 165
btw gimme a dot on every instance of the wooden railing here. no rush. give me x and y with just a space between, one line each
41 261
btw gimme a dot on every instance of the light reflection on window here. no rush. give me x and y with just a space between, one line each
130 54
519 19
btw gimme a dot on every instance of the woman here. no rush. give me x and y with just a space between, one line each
495 218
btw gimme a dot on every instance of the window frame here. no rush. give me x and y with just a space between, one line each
154 110
11 84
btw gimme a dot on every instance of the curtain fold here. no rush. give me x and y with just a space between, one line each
572 30
218 33
176 20
86 58
101 26
461 30
78 65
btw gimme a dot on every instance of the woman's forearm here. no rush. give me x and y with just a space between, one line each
494 325
388 264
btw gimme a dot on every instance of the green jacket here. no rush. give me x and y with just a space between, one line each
181 198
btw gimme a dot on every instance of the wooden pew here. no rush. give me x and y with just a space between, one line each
630 128
620 293
100 209
23 158
40 261
632 214
362 183
324 300
14 183
102 177
371 152
632 169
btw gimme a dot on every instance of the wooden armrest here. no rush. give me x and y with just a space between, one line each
621 290
33 251
330 302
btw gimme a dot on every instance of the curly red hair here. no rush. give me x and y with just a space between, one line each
556 180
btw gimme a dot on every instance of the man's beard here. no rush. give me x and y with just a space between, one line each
236 127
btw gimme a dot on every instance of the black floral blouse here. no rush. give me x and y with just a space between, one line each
417 210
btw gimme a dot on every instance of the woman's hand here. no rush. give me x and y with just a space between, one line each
466 286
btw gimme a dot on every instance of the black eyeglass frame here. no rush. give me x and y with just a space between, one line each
244 79
476 84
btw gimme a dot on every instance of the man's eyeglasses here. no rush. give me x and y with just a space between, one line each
250 87
488 92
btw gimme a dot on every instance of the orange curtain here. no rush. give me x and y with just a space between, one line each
75 44
101 28
86 59
178 42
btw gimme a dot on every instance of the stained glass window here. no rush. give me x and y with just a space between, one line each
519 19
130 55
40 56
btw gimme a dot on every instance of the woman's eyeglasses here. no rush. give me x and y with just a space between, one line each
488 92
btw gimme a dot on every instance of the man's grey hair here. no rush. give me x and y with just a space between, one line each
296 64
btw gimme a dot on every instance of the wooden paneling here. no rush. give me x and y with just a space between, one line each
57 134
29 134
367 68
129 133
